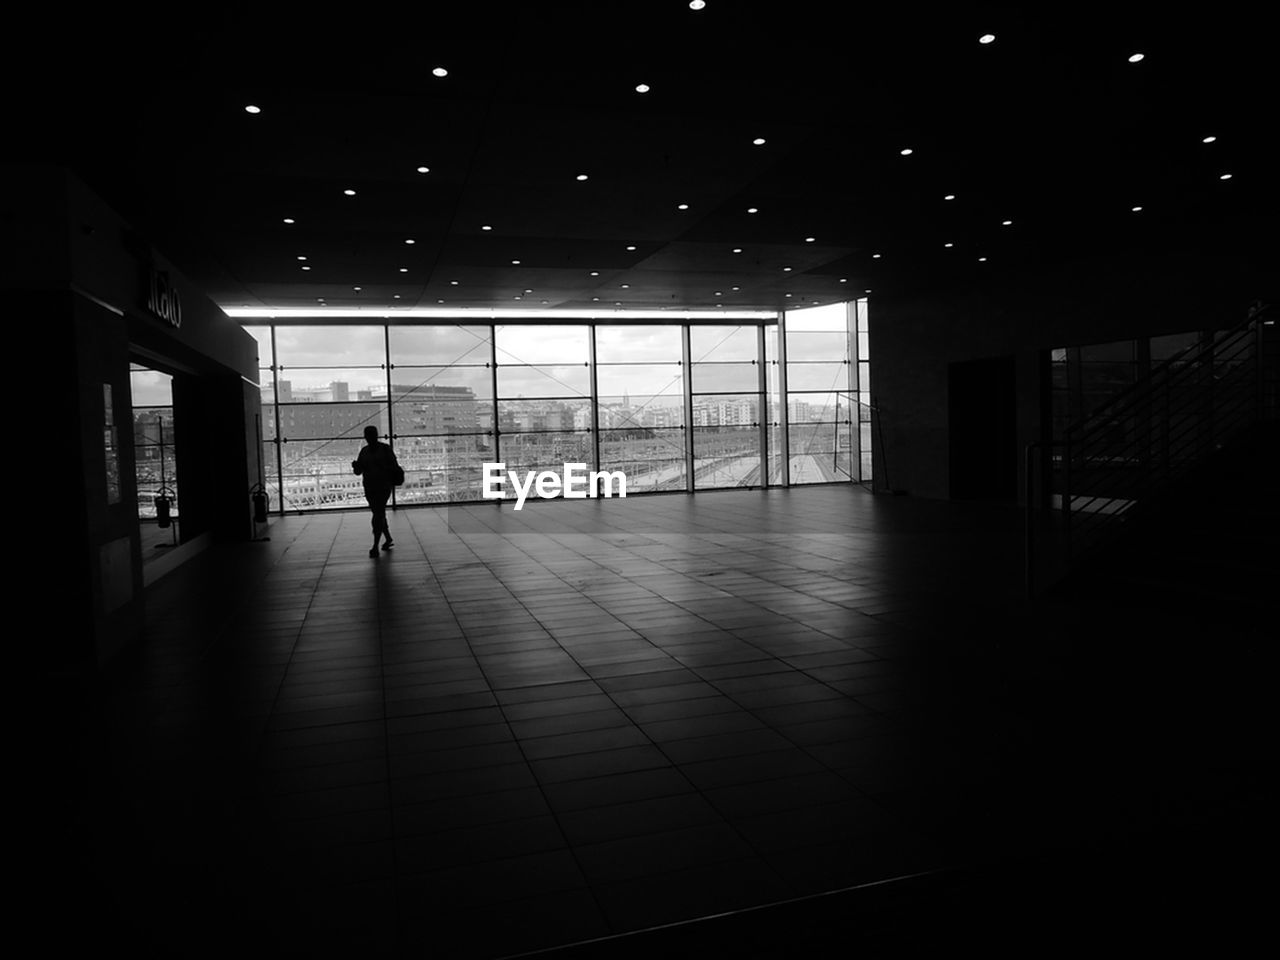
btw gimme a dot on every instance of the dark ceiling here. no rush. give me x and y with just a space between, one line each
1050 127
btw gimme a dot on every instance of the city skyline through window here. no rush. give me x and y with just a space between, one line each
675 406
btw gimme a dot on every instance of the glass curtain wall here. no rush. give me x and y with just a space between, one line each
673 406
544 397
640 384
828 388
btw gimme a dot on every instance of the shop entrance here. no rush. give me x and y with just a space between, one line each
155 461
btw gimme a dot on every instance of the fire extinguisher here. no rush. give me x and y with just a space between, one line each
164 503
260 501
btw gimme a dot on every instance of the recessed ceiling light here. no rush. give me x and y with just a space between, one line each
545 302
788 294
866 291
737 249
349 193
302 258
875 256
395 296
486 227
288 219
595 299
306 268
404 269
1136 209
753 209
453 283
625 286
737 288
528 291
786 269
719 294
409 241
949 196
1006 223
1225 176
582 176
595 273
617 303
948 244
424 169
982 259
642 88
440 72
319 299
682 206
1208 139
631 247
758 141
697 4
250 108
987 38
515 263
844 279
516 297
357 288
810 239
1136 57
906 151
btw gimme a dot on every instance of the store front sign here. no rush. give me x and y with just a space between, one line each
162 299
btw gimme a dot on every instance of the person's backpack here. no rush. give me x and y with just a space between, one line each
397 471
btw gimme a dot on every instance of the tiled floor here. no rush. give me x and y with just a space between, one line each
517 730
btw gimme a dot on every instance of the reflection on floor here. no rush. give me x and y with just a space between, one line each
517 730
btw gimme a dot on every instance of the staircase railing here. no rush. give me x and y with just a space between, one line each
1146 437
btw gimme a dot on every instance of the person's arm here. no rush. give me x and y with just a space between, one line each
356 466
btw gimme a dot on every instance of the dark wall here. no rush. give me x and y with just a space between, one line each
915 341
76 279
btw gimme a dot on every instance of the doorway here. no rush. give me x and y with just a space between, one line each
155 461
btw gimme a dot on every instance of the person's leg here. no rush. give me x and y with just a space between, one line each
378 504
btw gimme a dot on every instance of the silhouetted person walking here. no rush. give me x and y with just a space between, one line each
378 467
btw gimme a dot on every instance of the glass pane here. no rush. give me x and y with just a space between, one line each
818 376
646 379
332 384
442 417
726 457
638 344
819 407
550 381
442 383
725 377
725 410
820 453
442 469
543 344
343 347
299 421
651 459
438 346
529 415
832 317
317 475
1162 348
817 346
1121 350
545 451
722 343
641 411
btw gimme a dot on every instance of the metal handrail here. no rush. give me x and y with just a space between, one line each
1147 435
